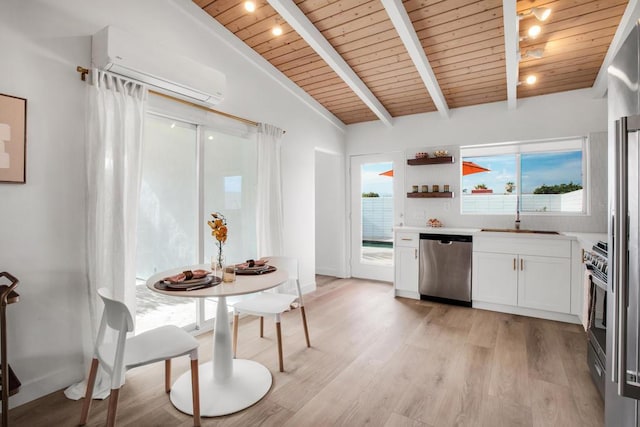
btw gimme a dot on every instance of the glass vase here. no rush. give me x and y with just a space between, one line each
217 265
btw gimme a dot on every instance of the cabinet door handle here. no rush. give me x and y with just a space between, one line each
407 239
514 264
521 264
415 253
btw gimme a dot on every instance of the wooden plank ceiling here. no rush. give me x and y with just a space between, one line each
463 40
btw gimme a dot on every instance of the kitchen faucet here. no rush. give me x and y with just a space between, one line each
517 213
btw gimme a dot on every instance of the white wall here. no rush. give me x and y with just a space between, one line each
566 114
42 232
329 214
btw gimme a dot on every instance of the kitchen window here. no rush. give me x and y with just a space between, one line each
541 177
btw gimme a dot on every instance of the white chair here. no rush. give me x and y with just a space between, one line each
163 343
270 303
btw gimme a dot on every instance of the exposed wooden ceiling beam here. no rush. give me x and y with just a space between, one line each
629 19
511 42
301 24
401 21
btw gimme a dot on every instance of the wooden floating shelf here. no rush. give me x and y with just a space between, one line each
430 161
440 195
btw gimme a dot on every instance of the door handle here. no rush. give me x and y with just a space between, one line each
415 252
514 264
521 264
628 385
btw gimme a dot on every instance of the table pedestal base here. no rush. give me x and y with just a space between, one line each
249 382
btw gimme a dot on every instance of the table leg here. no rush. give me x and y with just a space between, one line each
222 351
227 385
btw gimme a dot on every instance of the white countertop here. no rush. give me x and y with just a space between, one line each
437 230
587 240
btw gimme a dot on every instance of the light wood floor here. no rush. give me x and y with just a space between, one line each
381 361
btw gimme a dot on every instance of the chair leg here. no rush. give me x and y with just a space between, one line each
195 392
167 375
113 407
235 333
88 396
279 336
304 323
261 327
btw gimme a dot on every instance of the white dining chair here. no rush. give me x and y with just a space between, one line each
163 343
273 303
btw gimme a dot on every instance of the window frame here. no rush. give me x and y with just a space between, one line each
555 145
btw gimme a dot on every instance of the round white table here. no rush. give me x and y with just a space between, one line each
227 385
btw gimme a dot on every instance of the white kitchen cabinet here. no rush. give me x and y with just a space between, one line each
544 283
406 265
494 278
523 275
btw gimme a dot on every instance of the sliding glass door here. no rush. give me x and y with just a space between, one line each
229 186
167 224
190 171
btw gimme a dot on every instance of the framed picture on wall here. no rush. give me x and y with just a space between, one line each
13 139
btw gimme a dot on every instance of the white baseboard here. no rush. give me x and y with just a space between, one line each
308 287
542 314
38 387
333 272
407 294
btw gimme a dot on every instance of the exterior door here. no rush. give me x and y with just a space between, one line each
377 205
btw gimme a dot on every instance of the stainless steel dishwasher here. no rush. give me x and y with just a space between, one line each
445 268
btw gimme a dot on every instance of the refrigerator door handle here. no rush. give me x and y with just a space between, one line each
628 384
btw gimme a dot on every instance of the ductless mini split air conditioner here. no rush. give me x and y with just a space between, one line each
119 52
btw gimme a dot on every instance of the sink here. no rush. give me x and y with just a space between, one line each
513 230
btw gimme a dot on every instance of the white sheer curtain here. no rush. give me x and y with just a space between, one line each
269 219
113 159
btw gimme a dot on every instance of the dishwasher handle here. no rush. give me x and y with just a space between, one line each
446 239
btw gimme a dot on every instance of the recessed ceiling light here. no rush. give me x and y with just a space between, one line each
531 79
277 30
534 31
173 125
249 6
210 137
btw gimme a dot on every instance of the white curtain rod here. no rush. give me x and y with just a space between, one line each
83 76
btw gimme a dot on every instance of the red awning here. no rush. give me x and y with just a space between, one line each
469 168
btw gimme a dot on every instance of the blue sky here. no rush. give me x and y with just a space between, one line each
372 181
537 169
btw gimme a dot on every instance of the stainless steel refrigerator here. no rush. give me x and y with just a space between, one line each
622 388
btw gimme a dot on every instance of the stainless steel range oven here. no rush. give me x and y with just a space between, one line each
596 262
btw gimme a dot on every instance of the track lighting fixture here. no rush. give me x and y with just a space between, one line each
531 79
533 53
541 13
532 33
